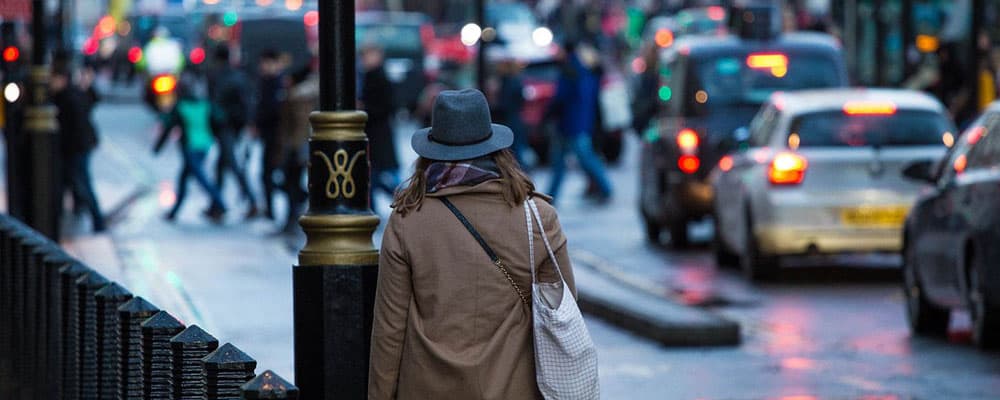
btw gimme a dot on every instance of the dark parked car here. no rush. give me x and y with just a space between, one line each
952 236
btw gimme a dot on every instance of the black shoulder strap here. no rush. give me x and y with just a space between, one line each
472 230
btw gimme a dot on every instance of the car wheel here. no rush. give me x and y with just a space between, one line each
679 235
723 257
755 266
924 318
985 320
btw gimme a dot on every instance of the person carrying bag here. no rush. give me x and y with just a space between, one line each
451 320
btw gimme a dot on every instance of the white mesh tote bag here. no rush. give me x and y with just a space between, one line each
565 356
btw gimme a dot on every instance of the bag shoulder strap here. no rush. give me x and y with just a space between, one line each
489 251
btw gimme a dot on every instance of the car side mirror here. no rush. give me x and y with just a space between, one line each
920 171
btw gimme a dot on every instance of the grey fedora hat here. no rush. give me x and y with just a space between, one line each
461 128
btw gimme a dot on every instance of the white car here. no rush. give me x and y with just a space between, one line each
819 172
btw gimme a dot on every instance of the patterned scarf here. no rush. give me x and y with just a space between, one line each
443 174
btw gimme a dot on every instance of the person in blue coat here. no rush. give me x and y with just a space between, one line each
575 107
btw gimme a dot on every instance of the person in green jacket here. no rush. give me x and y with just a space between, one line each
192 114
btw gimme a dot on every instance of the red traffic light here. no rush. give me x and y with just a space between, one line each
11 54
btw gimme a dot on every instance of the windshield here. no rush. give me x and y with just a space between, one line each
837 129
730 80
395 39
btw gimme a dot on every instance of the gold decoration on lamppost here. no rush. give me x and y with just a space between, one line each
39 116
332 236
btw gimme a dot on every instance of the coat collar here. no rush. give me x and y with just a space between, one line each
488 187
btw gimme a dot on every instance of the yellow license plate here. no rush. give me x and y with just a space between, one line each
874 216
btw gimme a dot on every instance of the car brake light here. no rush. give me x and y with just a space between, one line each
726 163
687 140
134 55
787 169
960 163
90 46
688 164
311 18
197 55
869 108
11 54
164 84
776 62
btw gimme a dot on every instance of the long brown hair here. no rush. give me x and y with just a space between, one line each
516 184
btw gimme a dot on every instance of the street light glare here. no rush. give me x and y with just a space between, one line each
542 36
11 92
470 34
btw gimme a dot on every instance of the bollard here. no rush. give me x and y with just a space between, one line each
188 348
109 359
68 276
132 314
157 363
86 287
226 370
54 262
269 385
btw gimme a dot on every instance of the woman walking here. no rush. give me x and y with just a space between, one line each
450 322
192 114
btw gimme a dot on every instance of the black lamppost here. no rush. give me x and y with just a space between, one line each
334 282
40 124
481 53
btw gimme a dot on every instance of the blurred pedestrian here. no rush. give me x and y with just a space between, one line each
270 94
78 139
227 93
510 103
575 106
302 99
192 114
377 101
444 316
645 103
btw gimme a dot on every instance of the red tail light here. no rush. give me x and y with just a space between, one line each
726 163
688 164
11 54
960 163
311 18
134 55
90 46
687 140
787 169
197 55
164 84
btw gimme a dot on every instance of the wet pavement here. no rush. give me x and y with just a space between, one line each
818 334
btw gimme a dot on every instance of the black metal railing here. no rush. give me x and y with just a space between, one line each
66 332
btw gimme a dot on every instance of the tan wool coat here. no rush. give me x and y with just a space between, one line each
448 325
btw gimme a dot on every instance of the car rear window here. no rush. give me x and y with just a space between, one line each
730 80
837 129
